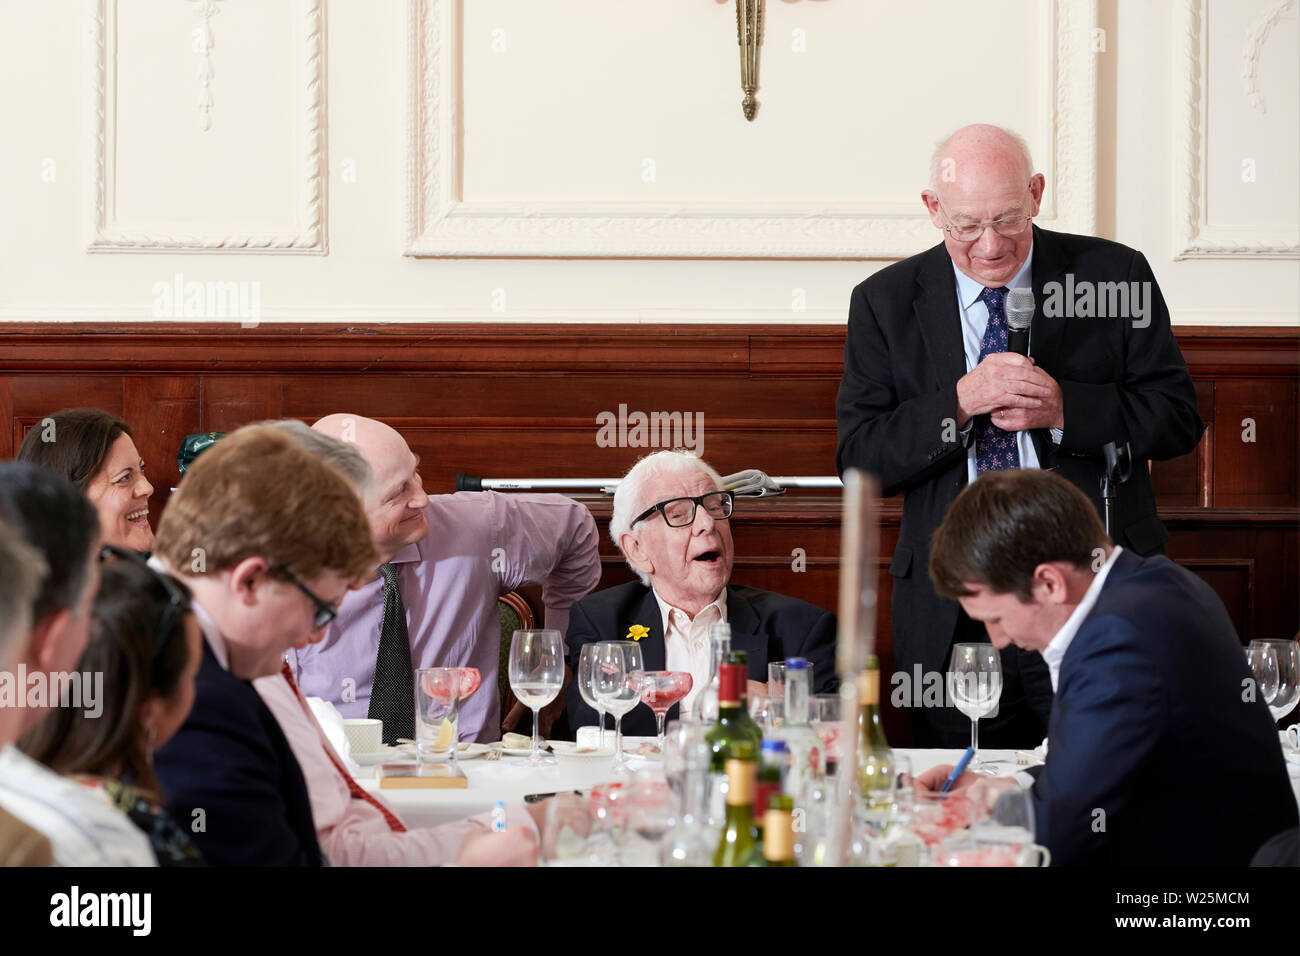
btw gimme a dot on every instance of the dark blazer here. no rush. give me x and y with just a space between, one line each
1153 758
903 357
231 760
767 626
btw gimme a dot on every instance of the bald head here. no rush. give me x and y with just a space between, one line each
980 150
981 174
396 506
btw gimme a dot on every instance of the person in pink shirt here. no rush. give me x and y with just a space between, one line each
355 827
444 562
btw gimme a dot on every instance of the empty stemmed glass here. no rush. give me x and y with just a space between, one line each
659 691
1263 666
975 684
536 676
1288 676
586 686
617 681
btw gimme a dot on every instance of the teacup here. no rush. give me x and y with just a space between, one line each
365 734
1013 844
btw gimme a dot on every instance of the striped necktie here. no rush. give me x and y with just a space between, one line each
358 792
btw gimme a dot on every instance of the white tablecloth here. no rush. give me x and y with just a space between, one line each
508 780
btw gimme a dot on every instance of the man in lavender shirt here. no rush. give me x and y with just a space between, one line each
454 555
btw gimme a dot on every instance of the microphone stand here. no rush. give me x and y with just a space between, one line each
1119 465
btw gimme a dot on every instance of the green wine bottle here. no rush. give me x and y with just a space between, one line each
739 840
875 759
778 832
735 734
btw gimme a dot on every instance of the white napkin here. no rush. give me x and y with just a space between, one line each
331 721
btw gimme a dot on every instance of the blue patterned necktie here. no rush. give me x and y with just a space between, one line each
995 449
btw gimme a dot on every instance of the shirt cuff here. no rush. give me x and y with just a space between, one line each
1057 435
1025 780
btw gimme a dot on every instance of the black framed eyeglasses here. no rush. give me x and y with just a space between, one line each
325 612
680 512
178 598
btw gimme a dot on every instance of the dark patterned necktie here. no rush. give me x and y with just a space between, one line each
392 695
995 449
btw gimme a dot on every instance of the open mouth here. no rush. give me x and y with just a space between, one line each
708 557
138 517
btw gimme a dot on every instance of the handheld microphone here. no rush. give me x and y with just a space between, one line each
1020 313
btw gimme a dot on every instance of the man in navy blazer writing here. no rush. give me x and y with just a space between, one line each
1159 753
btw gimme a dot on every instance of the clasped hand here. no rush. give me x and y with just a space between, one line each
1013 391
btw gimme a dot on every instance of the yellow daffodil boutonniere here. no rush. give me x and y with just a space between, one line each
636 632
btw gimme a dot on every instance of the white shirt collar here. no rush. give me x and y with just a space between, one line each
211 633
665 609
1054 652
968 289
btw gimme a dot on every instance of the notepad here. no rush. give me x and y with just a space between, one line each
432 776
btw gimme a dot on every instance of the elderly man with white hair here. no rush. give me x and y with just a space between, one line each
671 522
932 396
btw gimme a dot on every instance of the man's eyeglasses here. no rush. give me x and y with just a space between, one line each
680 512
1007 226
178 599
325 612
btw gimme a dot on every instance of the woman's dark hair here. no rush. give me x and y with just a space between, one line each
73 442
138 660
1005 525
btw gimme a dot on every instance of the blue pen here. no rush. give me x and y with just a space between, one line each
956 771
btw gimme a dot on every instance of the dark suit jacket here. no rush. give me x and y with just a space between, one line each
767 626
231 760
1149 728
902 360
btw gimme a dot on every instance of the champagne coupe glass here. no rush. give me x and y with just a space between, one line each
659 691
536 676
586 686
975 684
617 681
1263 665
1288 676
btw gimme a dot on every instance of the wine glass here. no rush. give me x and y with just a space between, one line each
586 687
659 691
437 712
975 684
1288 676
536 676
616 679
1263 665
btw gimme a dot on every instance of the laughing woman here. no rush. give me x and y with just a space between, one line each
94 450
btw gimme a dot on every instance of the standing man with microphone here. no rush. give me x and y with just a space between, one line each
943 382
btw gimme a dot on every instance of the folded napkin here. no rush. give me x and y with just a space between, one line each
331 721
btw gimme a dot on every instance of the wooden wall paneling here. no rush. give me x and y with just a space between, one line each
161 410
35 397
1182 482
228 401
1262 472
7 423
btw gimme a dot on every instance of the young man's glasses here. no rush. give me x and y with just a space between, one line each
325 612
680 512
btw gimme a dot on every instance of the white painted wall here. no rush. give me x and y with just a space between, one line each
541 115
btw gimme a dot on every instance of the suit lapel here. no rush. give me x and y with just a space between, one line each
1047 332
935 307
745 635
653 653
